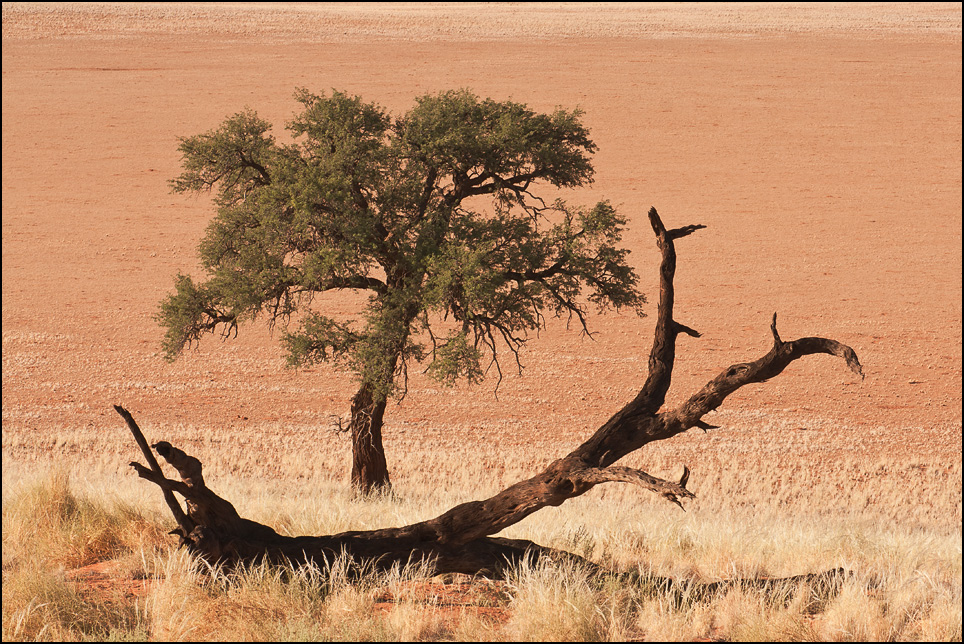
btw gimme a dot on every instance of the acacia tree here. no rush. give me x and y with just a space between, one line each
460 539
434 214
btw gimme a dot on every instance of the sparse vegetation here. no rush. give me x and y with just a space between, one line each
441 217
906 583
830 161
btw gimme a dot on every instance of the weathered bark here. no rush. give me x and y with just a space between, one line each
369 469
460 540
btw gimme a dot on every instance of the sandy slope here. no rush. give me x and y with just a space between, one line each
821 145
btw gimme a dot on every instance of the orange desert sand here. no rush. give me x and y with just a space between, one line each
820 144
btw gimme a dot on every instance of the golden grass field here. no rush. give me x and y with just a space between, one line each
819 143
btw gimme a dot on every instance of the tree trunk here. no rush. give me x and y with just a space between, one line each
369 469
460 540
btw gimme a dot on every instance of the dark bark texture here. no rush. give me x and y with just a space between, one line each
369 469
460 540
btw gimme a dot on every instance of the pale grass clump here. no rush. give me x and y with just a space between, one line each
562 602
468 627
853 616
336 601
41 605
261 603
749 615
943 622
892 609
194 602
352 614
410 622
663 618
48 523
742 611
47 529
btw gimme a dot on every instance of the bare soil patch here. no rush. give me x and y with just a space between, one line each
107 581
453 599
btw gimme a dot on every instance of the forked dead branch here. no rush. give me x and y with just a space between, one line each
460 541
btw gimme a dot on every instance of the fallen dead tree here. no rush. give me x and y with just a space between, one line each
460 541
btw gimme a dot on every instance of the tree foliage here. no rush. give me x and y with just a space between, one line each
435 214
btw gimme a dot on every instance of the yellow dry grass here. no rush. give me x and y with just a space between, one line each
905 557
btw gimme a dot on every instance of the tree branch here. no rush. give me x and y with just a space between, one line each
254 165
635 425
663 354
185 524
672 492
772 364
459 539
360 282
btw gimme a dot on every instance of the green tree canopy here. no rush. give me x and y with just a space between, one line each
435 214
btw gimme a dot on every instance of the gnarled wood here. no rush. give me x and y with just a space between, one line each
369 469
460 540
185 525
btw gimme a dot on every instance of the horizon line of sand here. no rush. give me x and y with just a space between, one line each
473 21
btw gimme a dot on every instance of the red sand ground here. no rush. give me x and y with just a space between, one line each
821 146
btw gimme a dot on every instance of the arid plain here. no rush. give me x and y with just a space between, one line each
820 145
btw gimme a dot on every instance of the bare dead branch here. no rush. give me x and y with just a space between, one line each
772 364
663 354
460 540
672 492
185 524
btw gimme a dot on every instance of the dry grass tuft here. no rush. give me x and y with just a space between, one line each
905 581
